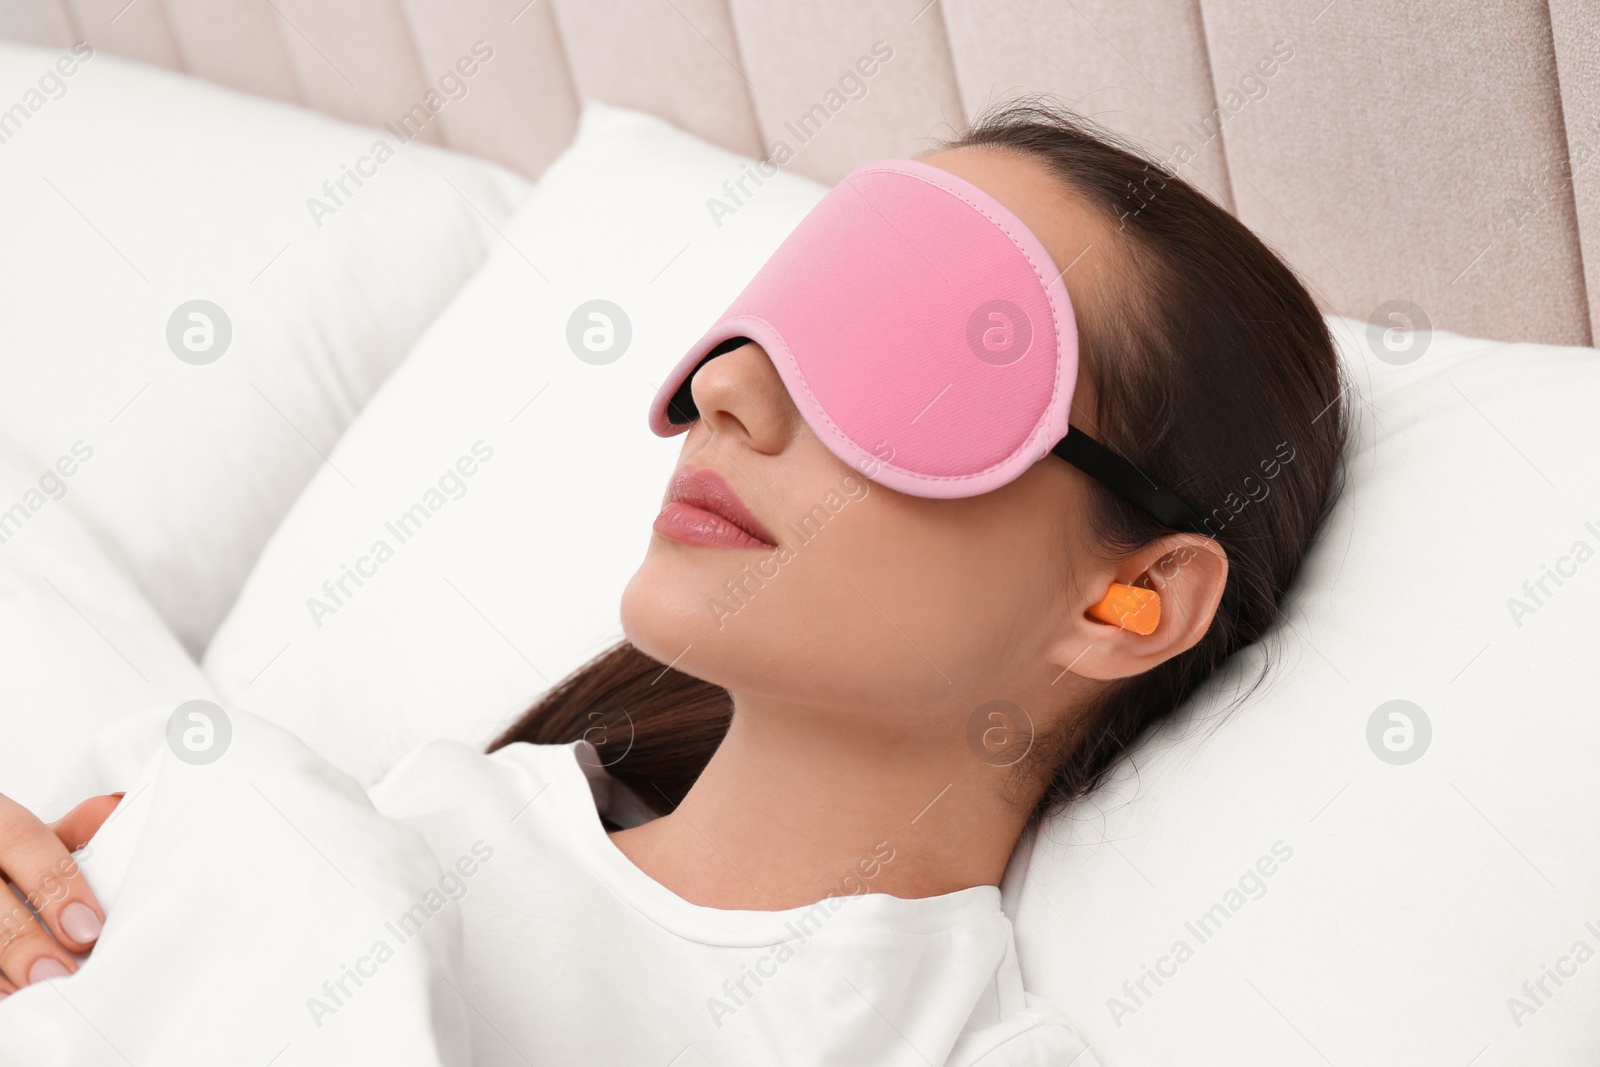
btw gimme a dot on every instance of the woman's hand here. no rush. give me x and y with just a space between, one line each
36 859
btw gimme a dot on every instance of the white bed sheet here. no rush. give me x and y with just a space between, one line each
241 896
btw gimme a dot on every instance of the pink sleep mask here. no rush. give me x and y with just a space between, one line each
927 338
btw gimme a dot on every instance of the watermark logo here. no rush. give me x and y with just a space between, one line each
1251 885
599 332
51 485
452 86
1255 490
1550 184
1399 732
1398 332
51 86
1538 591
340 589
1250 87
19 920
611 737
199 332
1537 992
1000 733
850 85
449 889
737 992
198 732
740 591
999 332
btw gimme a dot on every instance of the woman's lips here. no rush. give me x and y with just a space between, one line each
703 509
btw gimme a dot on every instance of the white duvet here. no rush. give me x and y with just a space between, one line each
258 911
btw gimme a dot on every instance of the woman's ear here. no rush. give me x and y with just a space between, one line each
1187 571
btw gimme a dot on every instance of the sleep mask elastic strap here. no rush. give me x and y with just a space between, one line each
1139 489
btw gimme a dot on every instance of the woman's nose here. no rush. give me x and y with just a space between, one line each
739 393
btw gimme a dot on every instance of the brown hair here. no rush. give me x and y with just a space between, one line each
1216 375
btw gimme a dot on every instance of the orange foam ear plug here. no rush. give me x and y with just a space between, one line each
1130 607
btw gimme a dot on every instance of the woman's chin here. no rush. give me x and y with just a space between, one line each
659 617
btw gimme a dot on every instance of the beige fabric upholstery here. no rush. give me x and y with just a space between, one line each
520 108
1385 159
237 45
1575 26
140 31
1445 155
1102 59
679 60
806 61
36 22
355 59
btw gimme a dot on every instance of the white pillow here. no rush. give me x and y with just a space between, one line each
80 649
130 191
1399 907
515 575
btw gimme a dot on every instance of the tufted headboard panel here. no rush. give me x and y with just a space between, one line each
1432 153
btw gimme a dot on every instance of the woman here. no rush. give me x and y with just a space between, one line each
771 824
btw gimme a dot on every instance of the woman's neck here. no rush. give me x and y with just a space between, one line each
794 807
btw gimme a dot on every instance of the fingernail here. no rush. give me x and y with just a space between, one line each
46 967
80 922
119 796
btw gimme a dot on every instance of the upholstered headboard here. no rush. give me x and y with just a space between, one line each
1420 151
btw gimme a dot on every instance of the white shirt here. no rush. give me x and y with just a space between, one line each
594 962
